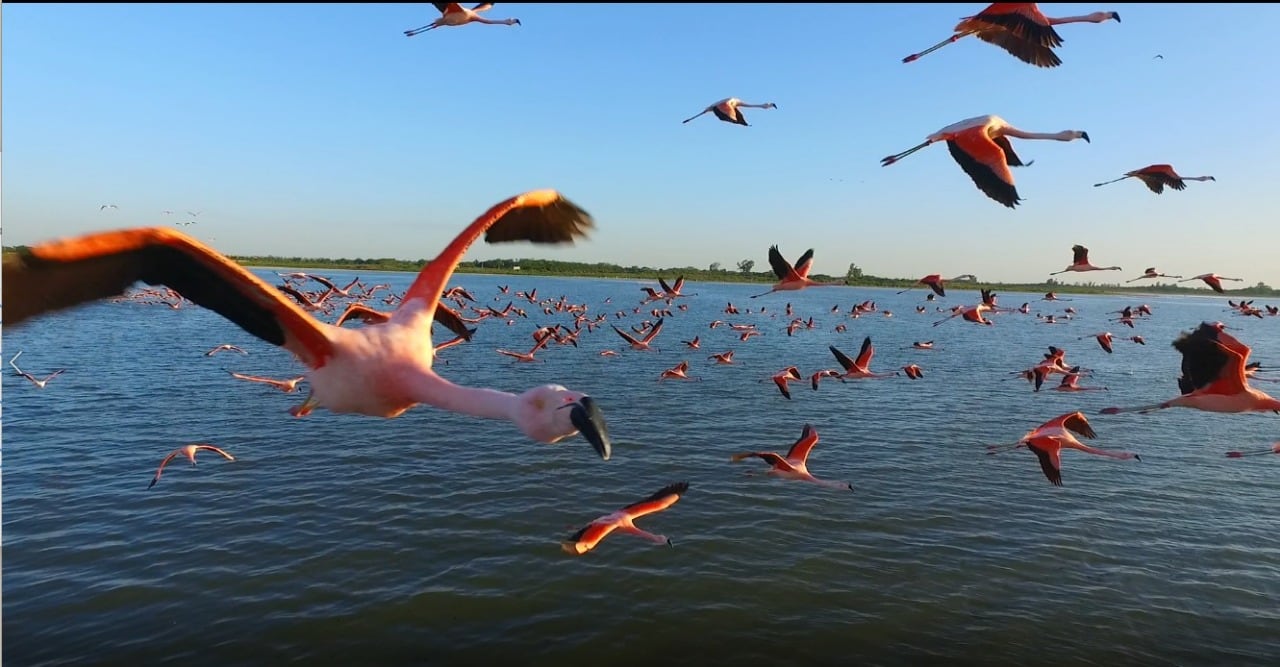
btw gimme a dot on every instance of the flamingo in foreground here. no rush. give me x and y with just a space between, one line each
1151 272
454 14
1214 376
590 535
1156 176
188 451
790 277
1273 449
1080 262
982 149
1049 439
1019 28
1213 280
381 370
795 464
727 110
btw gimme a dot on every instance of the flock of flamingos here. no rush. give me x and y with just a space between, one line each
384 366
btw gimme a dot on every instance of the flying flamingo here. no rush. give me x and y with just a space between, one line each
1048 440
379 371
913 371
1020 29
1214 378
643 343
813 379
678 372
527 357
791 278
794 464
38 382
287 386
860 368
727 110
1080 262
454 14
1212 280
227 347
590 535
692 344
1104 339
1151 273
1070 382
1156 176
188 451
1273 449
724 358
982 149
782 377
935 282
923 345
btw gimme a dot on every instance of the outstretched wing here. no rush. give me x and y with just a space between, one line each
800 449
781 267
1050 462
986 165
662 499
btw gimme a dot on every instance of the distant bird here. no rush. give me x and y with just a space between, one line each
38 382
1151 272
590 535
727 110
454 14
795 464
1157 56
1080 262
1020 29
981 147
107 206
379 371
678 372
861 367
935 282
782 377
642 344
913 371
1213 280
1273 449
1214 376
1049 439
188 451
1156 176
224 346
791 278
287 386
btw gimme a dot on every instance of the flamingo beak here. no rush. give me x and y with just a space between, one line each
1085 136
586 415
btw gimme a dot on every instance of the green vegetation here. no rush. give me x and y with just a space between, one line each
741 273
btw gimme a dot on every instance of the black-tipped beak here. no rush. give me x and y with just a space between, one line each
586 415
1116 16
1085 136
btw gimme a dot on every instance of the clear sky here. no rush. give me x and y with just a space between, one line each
321 130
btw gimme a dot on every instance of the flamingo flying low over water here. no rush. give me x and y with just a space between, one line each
795 464
1019 28
982 149
1151 272
1273 449
380 370
40 383
454 14
188 451
1050 438
590 535
1213 280
790 277
1214 376
935 282
287 386
727 110
1157 176
1080 262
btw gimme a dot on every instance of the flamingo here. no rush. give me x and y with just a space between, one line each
790 277
727 110
795 464
379 371
590 535
678 372
861 367
923 345
287 386
1048 440
1151 272
38 382
224 346
643 343
188 451
982 149
1104 340
1080 263
723 358
782 377
813 379
1214 376
1273 449
935 282
692 344
1156 176
913 371
454 14
1020 29
527 357
1070 382
1213 280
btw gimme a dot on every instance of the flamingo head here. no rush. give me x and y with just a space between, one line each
770 105
1078 134
550 413
1111 15
517 21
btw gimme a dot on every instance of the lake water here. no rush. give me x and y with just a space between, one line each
434 539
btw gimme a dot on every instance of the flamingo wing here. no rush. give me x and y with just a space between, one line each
842 358
805 263
1203 358
1027 51
800 449
217 450
69 272
1010 158
986 164
865 354
781 267
1079 255
1050 461
1021 20
482 7
625 336
781 381
734 117
654 330
1076 421
589 536
447 7
771 458
660 500
663 284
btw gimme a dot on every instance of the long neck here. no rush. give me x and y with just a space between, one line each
1197 178
474 401
1098 17
1064 135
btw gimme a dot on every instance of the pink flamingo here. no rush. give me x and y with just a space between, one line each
590 535
859 368
1048 440
454 14
287 386
727 110
795 464
642 344
791 278
188 451
1080 262
1273 449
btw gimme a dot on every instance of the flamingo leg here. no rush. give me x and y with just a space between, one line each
1114 180
935 47
884 162
656 539
1141 408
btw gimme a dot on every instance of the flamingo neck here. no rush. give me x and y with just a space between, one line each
1065 135
1197 178
480 402
1096 17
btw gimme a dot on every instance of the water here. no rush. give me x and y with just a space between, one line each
342 539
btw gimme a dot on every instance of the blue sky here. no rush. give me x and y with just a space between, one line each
321 130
